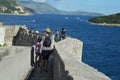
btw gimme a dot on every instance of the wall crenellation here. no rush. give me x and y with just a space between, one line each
25 38
18 35
66 65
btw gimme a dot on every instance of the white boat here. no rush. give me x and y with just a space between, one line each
66 17
33 20
77 18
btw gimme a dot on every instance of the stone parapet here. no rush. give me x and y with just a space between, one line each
10 32
18 35
66 65
72 46
2 35
15 63
25 38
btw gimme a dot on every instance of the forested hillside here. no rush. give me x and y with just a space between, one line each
111 19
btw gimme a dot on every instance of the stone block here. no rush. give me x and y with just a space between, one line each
67 66
16 65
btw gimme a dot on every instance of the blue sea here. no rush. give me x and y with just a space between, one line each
101 48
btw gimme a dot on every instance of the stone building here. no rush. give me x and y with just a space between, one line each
3 8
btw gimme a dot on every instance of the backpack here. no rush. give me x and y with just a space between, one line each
47 42
38 46
56 38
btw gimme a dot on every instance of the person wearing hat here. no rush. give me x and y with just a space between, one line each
47 47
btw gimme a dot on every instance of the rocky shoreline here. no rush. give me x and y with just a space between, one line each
26 14
105 24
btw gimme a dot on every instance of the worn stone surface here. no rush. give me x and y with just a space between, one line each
15 63
25 38
71 46
18 35
68 67
39 74
2 35
10 32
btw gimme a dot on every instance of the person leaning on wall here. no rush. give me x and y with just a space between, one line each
63 33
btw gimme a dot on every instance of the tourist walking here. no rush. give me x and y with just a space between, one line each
48 46
57 36
38 51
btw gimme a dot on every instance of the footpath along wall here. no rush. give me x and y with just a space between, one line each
67 64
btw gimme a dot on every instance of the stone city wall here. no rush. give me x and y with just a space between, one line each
67 59
14 63
25 38
2 35
10 32
67 66
18 35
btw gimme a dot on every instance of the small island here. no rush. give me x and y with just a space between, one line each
111 20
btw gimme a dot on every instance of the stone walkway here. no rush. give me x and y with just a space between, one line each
41 74
38 74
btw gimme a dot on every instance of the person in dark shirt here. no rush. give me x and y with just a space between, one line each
63 33
47 48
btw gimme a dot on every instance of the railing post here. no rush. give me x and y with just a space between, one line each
32 56
0 57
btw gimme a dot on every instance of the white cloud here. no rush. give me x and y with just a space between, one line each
39 0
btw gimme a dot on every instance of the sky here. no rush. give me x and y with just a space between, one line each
100 6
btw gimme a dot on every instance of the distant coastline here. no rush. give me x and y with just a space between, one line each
26 14
105 24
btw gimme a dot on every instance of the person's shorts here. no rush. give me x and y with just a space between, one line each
46 54
37 53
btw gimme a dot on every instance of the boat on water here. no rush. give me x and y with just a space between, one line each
66 17
78 18
33 20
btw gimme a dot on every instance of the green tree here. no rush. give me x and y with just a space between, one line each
111 19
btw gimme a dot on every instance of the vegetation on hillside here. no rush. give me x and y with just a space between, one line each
11 6
7 6
45 8
111 19
39 7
